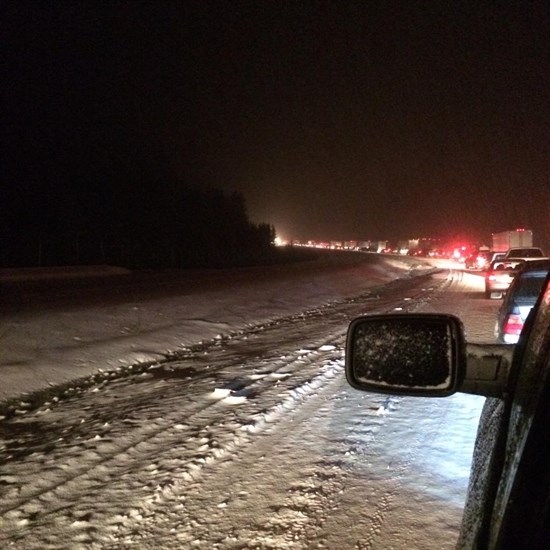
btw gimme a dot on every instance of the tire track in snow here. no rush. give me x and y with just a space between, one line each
103 462
149 440
454 282
385 501
309 485
209 409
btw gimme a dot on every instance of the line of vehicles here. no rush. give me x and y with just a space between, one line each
502 243
505 266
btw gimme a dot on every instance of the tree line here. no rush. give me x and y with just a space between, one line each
152 224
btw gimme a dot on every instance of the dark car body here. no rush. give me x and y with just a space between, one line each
508 501
519 300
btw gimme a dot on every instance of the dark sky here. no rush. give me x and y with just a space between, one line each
336 120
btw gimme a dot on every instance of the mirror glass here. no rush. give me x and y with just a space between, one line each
403 353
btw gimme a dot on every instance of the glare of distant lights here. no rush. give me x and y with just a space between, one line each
280 242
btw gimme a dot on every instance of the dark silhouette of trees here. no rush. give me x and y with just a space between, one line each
135 223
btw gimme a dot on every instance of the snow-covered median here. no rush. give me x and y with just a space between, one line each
51 344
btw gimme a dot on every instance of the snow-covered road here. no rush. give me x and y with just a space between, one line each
252 440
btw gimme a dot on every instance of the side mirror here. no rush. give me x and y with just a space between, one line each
423 354
409 354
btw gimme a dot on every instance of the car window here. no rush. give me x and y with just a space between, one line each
509 265
529 287
526 252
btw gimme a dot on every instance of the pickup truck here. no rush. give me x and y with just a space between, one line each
526 252
500 275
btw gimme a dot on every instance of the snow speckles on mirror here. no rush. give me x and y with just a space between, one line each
402 352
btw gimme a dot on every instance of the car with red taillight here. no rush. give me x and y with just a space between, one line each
519 300
500 275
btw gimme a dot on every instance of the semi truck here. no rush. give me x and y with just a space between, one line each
516 238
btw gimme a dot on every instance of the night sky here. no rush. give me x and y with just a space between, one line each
335 120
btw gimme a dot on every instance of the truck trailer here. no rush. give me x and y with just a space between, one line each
516 238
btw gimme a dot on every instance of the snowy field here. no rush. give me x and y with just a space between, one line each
238 431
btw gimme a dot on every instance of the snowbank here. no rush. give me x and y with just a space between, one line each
20 274
51 335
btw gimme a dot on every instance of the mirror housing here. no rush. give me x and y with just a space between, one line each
410 354
422 354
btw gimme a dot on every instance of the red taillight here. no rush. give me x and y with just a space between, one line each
513 324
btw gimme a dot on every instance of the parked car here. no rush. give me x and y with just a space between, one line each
527 252
508 501
519 300
500 275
